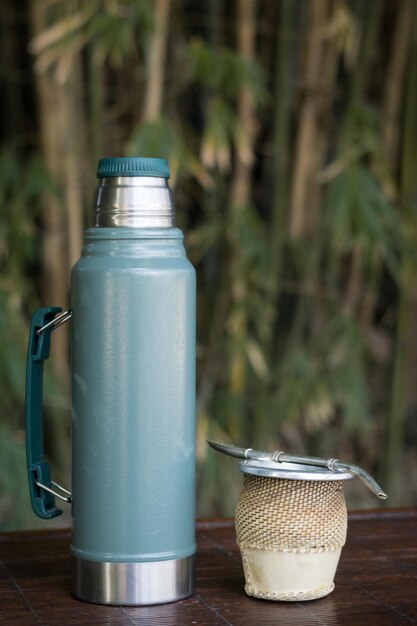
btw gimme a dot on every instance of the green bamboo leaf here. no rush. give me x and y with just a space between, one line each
225 72
356 212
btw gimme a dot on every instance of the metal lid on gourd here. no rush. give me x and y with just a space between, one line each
290 471
279 464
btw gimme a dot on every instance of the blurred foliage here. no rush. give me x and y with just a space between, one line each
305 336
22 187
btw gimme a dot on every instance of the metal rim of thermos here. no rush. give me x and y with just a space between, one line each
134 202
134 584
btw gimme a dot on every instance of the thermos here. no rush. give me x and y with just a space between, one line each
133 396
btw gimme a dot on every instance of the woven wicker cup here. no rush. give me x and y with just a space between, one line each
290 531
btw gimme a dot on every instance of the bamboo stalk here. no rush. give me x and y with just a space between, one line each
155 65
76 163
356 280
55 265
372 24
320 73
61 129
96 105
215 21
393 89
283 90
13 119
324 137
239 199
407 307
306 165
391 114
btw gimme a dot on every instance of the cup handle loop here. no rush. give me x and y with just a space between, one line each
41 490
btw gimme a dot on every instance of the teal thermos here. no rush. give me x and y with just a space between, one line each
133 396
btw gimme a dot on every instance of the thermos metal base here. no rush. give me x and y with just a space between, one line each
132 584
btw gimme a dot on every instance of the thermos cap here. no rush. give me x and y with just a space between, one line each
132 166
133 192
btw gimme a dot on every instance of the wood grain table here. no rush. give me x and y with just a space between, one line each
376 582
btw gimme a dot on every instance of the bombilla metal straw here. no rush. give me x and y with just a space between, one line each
333 465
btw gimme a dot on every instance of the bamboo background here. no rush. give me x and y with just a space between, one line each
291 131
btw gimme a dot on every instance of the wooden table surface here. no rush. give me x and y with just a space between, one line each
376 582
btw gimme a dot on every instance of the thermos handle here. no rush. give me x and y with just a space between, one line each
42 494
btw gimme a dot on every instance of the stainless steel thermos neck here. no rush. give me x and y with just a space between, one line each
134 202
133 396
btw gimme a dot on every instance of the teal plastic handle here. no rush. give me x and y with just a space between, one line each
43 501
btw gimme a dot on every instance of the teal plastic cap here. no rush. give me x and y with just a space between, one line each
132 166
